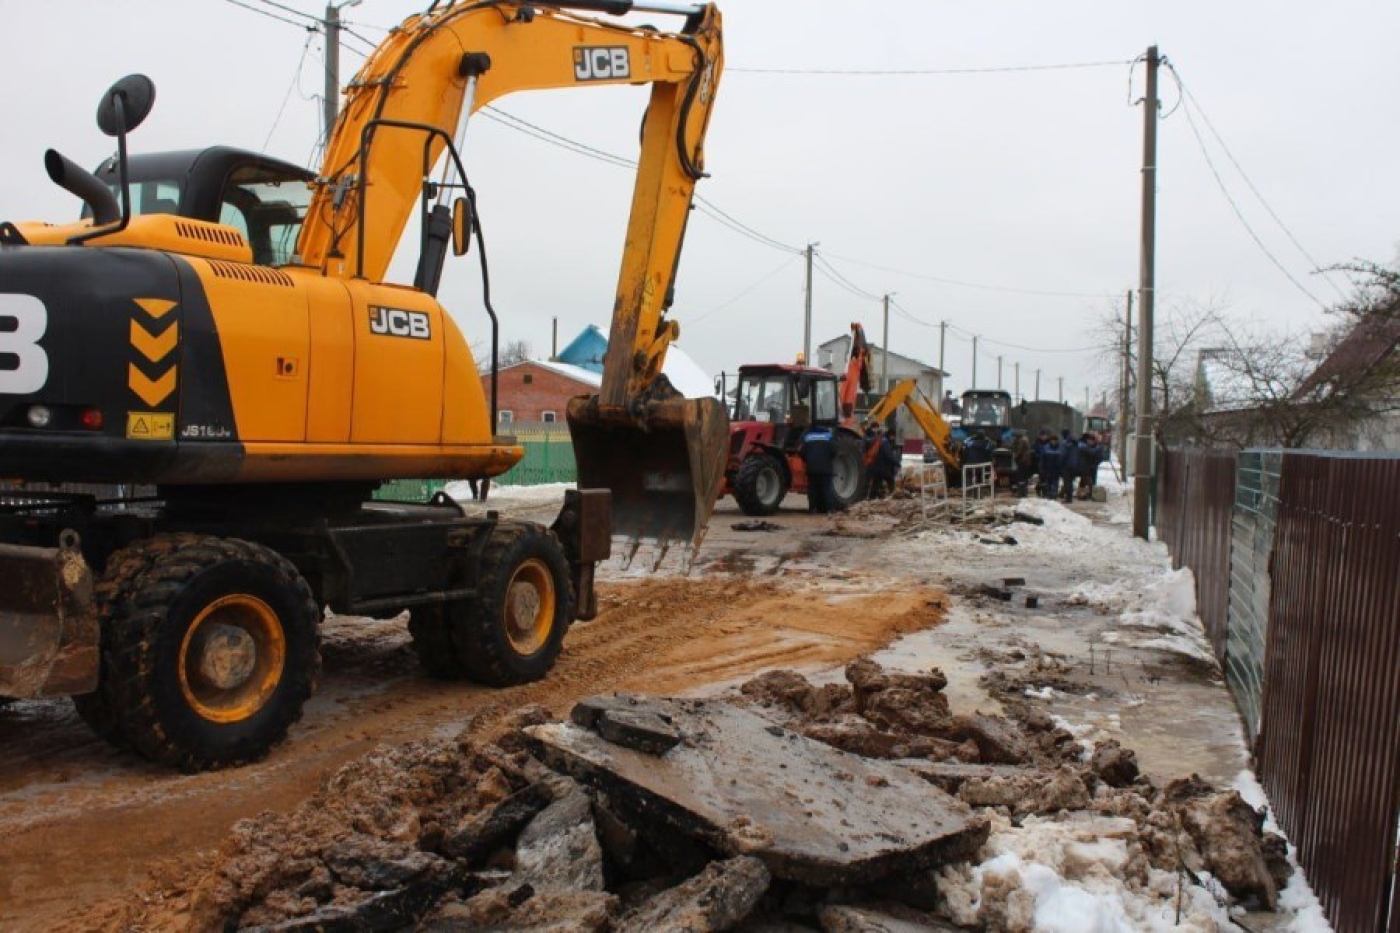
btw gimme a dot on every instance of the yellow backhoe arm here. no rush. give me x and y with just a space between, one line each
662 456
938 431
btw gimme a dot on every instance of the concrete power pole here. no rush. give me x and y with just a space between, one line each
974 362
331 102
998 372
1018 381
885 352
1037 385
1062 389
807 316
1142 448
942 342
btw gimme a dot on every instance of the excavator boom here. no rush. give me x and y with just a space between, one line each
660 454
937 430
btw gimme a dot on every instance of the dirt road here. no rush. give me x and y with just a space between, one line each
83 823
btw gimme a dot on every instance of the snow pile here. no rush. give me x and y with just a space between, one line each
1297 897
1166 609
1073 876
509 495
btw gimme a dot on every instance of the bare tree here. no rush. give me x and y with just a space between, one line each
514 351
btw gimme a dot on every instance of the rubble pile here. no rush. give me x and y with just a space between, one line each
866 805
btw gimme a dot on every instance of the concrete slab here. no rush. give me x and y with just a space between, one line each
745 786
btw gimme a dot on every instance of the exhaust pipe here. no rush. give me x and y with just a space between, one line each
74 178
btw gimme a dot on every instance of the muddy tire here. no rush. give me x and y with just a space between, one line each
211 655
848 475
759 485
511 632
112 591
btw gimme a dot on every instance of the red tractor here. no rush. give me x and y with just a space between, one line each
774 405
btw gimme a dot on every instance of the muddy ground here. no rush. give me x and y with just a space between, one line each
84 824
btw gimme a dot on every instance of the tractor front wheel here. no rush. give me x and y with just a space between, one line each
759 485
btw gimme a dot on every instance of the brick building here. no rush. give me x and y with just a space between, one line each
538 391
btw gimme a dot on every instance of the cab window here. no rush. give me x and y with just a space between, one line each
267 209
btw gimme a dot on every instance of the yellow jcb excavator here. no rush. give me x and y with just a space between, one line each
218 326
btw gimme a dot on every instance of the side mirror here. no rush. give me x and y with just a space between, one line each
461 226
126 105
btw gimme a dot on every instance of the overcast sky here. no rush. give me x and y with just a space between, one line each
1005 202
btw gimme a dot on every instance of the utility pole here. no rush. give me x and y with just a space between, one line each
807 318
1062 389
1037 385
1142 458
998 373
331 101
974 362
1018 381
885 352
1121 428
942 342
1086 400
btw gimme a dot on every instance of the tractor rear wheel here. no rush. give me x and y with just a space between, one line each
512 631
210 658
759 485
848 476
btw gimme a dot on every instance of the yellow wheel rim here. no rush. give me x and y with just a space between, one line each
232 658
529 606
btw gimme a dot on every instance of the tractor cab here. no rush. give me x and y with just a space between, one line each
985 410
781 402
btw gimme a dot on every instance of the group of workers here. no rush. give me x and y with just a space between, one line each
1064 468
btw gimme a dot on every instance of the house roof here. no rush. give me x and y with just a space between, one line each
1372 340
685 374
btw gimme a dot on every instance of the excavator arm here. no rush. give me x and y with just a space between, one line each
857 375
938 431
661 455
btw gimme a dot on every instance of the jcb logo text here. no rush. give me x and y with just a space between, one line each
396 322
600 62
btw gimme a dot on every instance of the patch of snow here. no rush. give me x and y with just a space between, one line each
1075 876
1297 897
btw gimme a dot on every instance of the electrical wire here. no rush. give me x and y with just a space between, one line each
262 12
896 72
1234 206
942 280
761 237
786 264
294 86
831 273
286 9
1196 105
1014 346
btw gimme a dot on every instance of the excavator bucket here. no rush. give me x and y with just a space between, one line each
664 465
48 622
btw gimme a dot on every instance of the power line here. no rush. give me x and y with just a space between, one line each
787 263
1015 346
296 83
262 12
895 72
961 283
1196 105
762 237
1234 206
286 9
830 272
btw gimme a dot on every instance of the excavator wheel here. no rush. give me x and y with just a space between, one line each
759 485
849 478
512 631
113 589
209 658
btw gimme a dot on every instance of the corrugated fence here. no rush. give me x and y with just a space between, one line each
1310 642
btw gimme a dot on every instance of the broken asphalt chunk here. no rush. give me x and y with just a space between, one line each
811 813
485 832
718 898
643 731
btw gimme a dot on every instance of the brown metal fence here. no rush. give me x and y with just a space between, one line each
1328 750
1329 746
1194 507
